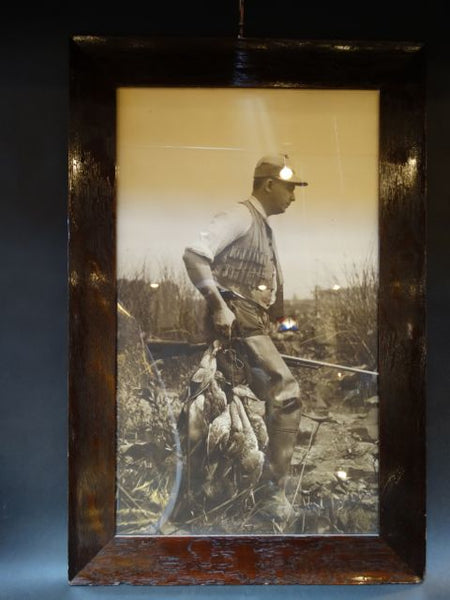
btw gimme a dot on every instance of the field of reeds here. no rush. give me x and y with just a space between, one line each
333 484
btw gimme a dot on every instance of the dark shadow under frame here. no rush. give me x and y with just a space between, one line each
100 65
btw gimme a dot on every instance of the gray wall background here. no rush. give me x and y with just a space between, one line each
33 146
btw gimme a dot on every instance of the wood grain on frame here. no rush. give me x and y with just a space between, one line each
397 554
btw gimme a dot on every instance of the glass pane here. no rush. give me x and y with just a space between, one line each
212 438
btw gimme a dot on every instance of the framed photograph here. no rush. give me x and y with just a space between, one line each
247 312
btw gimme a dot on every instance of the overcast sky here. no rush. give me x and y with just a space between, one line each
185 154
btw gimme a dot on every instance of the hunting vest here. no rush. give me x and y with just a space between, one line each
249 266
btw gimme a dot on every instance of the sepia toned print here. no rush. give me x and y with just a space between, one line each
240 411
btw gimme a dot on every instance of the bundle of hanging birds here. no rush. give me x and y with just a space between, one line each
224 433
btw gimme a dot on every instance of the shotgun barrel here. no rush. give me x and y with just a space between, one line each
317 364
170 348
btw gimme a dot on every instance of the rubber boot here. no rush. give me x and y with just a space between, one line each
283 425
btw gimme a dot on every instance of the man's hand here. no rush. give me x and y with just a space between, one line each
223 319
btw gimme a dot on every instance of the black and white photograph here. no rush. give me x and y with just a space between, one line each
247 278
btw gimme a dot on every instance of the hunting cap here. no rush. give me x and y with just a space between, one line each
276 166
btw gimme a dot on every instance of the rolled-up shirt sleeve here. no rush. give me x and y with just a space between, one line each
223 229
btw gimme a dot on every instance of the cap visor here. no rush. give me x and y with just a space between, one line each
293 180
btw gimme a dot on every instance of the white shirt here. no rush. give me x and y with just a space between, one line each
227 227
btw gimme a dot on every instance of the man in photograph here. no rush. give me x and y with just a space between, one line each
235 265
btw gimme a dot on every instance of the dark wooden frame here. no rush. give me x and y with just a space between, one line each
397 554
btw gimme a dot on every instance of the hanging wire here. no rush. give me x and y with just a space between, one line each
241 19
